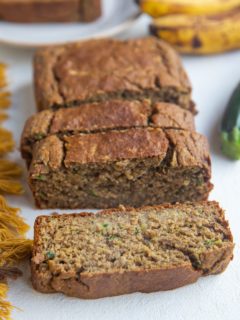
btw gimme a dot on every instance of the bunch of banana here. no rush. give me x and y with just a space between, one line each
187 25
158 8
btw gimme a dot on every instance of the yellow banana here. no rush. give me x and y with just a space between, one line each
157 8
200 34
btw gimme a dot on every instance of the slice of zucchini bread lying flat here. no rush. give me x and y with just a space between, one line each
102 116
100 70
139 166
129 250
50 10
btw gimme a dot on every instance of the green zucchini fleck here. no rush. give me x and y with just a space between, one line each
92 193
112 237
50 255
105 225
230 127
40 177
137 231
39 136
212 242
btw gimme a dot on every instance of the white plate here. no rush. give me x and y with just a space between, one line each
117 16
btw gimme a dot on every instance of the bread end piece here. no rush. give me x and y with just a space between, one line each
56 85
207 257
39 11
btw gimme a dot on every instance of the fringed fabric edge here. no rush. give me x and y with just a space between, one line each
14 247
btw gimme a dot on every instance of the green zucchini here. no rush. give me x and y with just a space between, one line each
230 127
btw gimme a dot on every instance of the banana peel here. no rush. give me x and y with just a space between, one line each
200 34
158 8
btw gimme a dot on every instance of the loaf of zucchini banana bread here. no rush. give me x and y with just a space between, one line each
129 250
50 10
138 166
100 70
102 116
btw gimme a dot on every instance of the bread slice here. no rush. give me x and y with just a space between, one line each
127 250
135 167
49 10
100 70
100 117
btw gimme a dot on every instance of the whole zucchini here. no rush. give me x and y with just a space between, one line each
230 127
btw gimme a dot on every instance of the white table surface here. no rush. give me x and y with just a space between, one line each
213 297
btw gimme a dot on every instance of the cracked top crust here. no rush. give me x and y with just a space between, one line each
98 68
115 145
180 148
169 115
100 116
103 116
49 154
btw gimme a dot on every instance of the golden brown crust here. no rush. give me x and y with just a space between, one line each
138 166
38 124
114 114
115 145
101 69
48 155
98 285
90 10
169 115
100 117
50 10
189 148
46 87
113 284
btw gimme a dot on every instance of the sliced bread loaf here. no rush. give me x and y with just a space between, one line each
30 11
138 166
100 117
127 250
105 69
